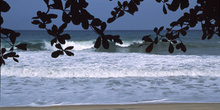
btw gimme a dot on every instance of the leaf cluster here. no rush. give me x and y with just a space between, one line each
206 13
75 12
129 7
61 51
9 36
99 27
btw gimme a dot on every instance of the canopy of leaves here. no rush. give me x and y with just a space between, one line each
9 36
75 12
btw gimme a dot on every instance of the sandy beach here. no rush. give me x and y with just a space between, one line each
181 106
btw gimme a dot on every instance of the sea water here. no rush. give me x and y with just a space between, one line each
123 74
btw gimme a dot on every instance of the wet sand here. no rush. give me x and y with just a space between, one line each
171 106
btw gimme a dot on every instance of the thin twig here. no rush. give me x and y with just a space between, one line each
0 55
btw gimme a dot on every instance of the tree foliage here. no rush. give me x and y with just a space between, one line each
9 36
74 12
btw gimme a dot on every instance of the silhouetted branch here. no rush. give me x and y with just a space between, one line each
9 36
206 12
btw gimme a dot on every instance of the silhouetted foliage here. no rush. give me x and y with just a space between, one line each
75 12
206 12
9 36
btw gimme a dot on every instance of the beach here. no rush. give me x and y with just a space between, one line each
174 106
123 74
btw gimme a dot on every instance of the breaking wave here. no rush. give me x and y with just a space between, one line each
200 47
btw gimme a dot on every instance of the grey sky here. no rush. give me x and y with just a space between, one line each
150 14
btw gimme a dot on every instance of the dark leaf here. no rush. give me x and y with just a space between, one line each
13 36
6 31
86 14
85 24
1 61
174 5
96 22
52 15
113 13
16 60
61 40
118 40
59 46
11 54
103 26
161 28
175 36
155 29
22 46
42 26
3 50
54 28
66 18
171 48
36 22
83 3
137 2
35 17
184 4
147 38
125 4
119 4
203 36
158 1
53 41
69 53
183 47
174 41
164 40
69 48
110 37
57 53
203 28
98 42
168 29
76 20
186 28
164 9
61 28
46 1
4 6
98 31
67 4
16 56
174 24
156 40
178 46
57 4
210 36
66 36
1 20
183 32
169 36
50 32
132 7
121 13
110 20
105 43
149 48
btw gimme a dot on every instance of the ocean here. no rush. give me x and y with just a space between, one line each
123 74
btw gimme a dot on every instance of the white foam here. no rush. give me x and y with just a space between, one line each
78 45
105 65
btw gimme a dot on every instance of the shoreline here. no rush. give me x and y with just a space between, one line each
150 106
